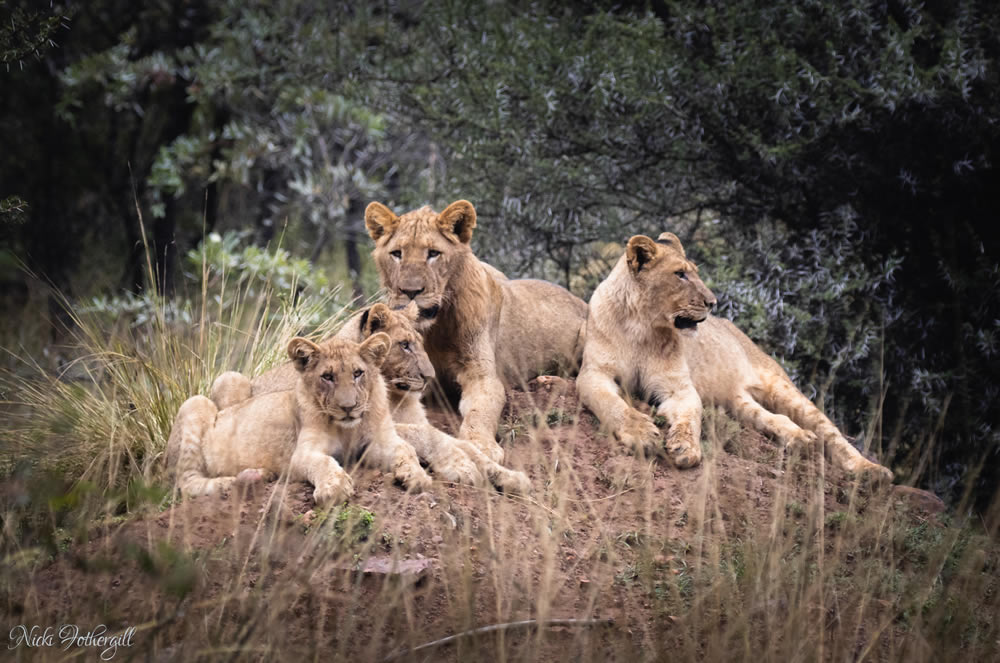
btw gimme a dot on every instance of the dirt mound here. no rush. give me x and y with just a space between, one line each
628 548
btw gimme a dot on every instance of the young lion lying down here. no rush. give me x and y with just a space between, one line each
650 331
406 371
338 409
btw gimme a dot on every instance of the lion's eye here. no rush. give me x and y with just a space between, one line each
358 372
405 345
682 275
431 253
397 254
328 377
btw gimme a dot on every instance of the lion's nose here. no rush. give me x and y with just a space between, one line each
710 303
412 294
348 405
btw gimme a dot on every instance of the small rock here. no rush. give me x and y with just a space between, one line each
437 539
922 500
410 571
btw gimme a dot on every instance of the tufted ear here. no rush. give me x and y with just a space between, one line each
640 251
375 319
459 219
375 348
303 352
411 311
671 240
380 220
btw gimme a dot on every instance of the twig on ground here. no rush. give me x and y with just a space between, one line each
499 627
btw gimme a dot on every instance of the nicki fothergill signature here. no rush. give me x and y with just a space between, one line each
70 635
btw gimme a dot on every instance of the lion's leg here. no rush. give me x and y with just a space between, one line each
482 402
599 393
753 414
195 419
229 389
391 453
508 480
311 462
785 398
680 404
410 411
439 451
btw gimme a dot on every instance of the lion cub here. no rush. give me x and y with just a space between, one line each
338 409
650 331
406 371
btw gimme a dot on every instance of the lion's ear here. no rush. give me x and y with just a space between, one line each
379 220
412 311
375 319
375 348
671 240
640 251
459 218
303 352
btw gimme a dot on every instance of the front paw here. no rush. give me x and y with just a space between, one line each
684 450
512 482
802 442
413 477
639 434
871 474
458 468
333 490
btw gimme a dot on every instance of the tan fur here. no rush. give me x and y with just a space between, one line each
406 371
338 409
650 331
482 331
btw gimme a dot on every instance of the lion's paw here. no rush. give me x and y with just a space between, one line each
459 468
684 450
333 490
872 474
512 482
639 435
413 477
802 441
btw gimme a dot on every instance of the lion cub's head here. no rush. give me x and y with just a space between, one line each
339 375
670 290
407 367
417 253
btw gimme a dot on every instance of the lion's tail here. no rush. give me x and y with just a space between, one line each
184 447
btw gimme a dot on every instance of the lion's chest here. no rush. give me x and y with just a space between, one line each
347 445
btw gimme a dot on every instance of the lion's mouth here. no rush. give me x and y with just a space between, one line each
684 322
429 313
408 385
349 421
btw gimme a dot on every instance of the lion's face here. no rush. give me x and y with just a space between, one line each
671 291
416 254
407 367
339 374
